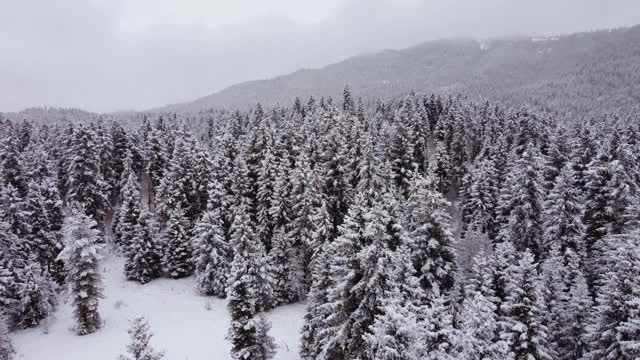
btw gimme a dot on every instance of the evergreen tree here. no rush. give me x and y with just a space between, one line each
125 231
81 256
244 246
178 252
575 314
212 255
139 347
431 240
265 198
44 207
615 332
479 198
439 335
6 348
317 310
85 183
304 200
175 188
554 295
441 168
37 296
347 102
156 156
144 254
366 271
395 333
524 329
15 218
279 259
246 293
479 325
521 204
563 214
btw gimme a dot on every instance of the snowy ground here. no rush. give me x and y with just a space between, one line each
185 325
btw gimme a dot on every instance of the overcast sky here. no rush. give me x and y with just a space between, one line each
107 55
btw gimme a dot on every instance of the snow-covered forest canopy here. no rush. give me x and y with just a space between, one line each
427 227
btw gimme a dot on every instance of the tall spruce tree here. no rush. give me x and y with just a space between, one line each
7 351
430 238
563 214
85 184
522 310
521 203
178 251
144 253
575 315
615 331
212 254
129 213
82 257
246 292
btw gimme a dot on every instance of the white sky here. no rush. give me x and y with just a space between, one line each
107 55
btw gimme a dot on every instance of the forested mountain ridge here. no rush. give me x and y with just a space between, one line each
584 72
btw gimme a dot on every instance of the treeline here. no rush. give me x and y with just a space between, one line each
349 209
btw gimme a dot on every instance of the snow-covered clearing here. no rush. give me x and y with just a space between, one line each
185 324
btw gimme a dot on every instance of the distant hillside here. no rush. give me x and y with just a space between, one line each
51 115
575 73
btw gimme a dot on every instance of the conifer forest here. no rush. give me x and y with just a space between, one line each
416 225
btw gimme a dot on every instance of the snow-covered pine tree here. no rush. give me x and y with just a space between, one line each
212 254
82 257
120 154
430 238
615 331
554 294
85 183
6 348
576 311
246 291
178 252
522 310
520 205
348 105
265 197
279 262
478 328
156 156
45 211
304 199
317 310
401 157
177 184
395 333
139 347
53 211
441 168
11 169
9 280
144 254
479 198
267 347
16 225
438 334
563 214
243 244
365 268
37 296
129 213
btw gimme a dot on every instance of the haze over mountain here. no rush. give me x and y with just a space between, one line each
111 55
591 71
